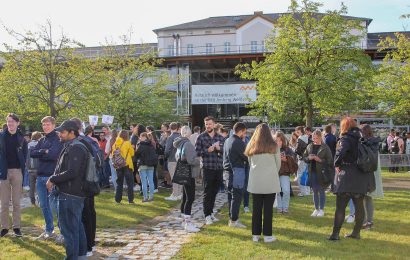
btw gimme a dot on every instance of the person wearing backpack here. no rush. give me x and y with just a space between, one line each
46 152
122 154
375 178
147 158
66 185
32 165
350 182
89 214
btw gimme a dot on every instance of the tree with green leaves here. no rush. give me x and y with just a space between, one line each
392 83
45 76
137 87
314 67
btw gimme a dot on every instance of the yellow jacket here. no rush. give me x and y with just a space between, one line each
125 148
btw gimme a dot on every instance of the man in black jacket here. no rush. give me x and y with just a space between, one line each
234 161
68 179
46 151
13 155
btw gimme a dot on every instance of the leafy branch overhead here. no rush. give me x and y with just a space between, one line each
315 65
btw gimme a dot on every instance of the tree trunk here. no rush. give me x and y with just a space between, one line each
309 111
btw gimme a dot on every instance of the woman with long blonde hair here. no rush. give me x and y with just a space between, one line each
264 162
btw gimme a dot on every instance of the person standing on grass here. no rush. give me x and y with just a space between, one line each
66 184
376 185
265 162
46 152
108 157
234 162
32 165
147 158
123 146
208 147
288 167
319 158
350 181
169 155
186 153
13 156
301 144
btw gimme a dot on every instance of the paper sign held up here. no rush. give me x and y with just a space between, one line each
107 119
93 120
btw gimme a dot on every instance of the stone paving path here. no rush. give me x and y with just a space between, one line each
162 241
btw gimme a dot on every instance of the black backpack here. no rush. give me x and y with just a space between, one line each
395 149
367 159
151 159
91 184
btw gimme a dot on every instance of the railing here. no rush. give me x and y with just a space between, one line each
370 44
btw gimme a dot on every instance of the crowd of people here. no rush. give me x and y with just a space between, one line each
55 164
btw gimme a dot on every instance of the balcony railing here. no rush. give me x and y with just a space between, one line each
370 44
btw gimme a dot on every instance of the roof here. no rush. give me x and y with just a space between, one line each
233 21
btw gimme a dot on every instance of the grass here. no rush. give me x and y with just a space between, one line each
303 237
399 175
109 215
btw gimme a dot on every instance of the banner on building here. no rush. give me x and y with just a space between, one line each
223 94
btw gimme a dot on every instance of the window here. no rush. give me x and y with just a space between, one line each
208 32
209 49
227 47
190 49
254 46
263 46
227 31
171 50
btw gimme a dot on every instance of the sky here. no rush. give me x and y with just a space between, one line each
92 22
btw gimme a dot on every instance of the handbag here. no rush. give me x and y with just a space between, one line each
183 172
304 179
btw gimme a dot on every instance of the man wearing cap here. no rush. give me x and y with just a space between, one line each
67 180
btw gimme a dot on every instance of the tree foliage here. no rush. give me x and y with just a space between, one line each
315 65
392 88
44 76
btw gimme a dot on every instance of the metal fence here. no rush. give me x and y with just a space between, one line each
394 160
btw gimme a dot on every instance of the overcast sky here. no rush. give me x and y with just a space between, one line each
91 22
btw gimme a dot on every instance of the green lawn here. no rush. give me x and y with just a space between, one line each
301 236
109 215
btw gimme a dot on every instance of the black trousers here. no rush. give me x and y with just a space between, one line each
262 206
212 181
89 219
342 199
126 173
188 197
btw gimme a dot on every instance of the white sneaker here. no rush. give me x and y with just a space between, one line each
26 188
60 239
137 188
246 209
208 220
236 224
214 219
191 228
89 253
255 239
300 194
315 213
156 191
171 198
45 235
321 213
269 239
94 249
350 219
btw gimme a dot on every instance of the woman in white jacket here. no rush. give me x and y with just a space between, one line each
264 162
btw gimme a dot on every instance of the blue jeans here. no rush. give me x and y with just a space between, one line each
26 179
283 201
236 185
147 179
113 175
69 213
352 209
105 173
43 197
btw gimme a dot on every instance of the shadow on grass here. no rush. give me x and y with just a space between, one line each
41 249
